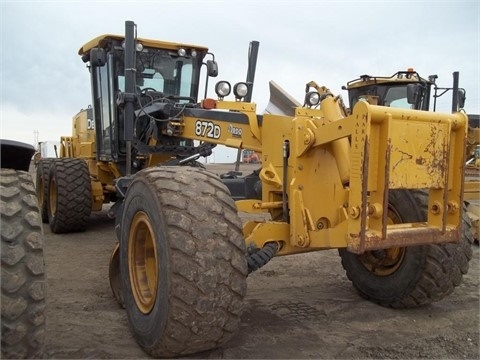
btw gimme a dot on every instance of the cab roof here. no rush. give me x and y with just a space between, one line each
408 76
102 40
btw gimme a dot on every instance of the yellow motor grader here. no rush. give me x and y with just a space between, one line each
383 185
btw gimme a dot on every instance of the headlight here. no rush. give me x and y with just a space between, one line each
312 98
181 52
223 88
193 53
240 90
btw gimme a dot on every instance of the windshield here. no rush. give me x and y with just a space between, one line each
164 71
388 95
397 97
393 96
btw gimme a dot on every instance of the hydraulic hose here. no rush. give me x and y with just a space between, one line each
259 258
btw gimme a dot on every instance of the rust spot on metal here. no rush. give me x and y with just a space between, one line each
405 157
439 155
420 161
401 238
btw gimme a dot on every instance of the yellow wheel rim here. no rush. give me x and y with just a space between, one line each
143 262
385 262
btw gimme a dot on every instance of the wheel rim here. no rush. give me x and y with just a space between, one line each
385 262
52 197
143 262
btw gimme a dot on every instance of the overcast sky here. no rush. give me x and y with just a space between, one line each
44 83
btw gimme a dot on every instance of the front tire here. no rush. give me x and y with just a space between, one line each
69 195
23 270
409 276
182 260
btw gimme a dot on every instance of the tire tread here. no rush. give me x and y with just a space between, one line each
23 272
207 285
74 197
443 268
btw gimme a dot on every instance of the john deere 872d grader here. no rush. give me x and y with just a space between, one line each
381 184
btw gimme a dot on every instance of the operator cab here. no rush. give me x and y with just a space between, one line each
166 80
404 89
394 91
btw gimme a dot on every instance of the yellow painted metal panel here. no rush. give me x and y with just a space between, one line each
419 153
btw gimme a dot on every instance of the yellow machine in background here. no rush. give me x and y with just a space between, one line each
82 143
382 185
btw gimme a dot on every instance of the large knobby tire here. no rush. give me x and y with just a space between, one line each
409 276
69 195
23 270
43 170
182 261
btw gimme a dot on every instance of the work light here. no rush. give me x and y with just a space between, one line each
240 90
223 88
312 98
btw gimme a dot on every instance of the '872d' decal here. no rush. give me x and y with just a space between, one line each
207 129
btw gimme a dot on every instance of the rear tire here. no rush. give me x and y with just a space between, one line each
43 169
409 276
182 261
69 195
23 270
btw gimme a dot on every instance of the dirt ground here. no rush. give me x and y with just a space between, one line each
300 306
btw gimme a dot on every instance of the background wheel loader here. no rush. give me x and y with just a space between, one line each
23 273
382 185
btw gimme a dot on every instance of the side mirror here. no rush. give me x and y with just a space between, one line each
461 98
98 57
413 92
212 68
